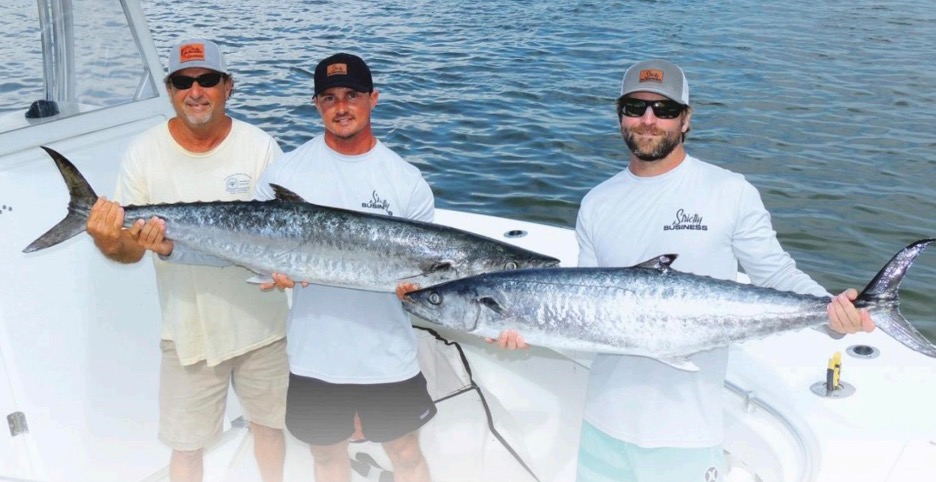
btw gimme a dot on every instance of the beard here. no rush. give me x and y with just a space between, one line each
651 150
196 118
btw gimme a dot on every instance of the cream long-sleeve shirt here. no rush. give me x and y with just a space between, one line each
211 313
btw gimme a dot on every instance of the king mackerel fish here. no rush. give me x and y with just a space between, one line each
648 310
308 242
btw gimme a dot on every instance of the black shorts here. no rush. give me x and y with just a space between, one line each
322 413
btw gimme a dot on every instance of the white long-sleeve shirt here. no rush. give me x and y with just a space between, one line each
712 219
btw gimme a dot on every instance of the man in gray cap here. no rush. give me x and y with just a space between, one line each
645 419
352 353
217 330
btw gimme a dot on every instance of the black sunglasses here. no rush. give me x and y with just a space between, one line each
183 82
662 109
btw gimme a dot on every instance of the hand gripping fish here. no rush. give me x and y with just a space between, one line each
308 242
649 309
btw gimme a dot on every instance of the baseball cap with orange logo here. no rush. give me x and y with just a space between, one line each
657 76
196 53
343 70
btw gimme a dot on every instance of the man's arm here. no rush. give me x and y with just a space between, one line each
768 264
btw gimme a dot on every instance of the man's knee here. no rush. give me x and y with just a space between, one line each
264 433
329 454
405 452
187 457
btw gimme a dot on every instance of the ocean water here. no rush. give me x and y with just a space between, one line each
507 105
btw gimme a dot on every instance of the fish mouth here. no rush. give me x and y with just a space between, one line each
551 263
537 262
412 307
412 302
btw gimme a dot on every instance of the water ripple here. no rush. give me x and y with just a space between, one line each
507 106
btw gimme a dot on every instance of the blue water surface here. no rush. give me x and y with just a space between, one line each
507 105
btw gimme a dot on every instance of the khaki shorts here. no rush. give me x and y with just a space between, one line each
192 398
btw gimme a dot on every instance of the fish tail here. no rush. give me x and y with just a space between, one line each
79 206
883 300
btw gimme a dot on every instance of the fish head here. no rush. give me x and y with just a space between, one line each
502 257
476 255
448 304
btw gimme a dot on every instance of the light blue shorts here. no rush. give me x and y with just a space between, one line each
603 458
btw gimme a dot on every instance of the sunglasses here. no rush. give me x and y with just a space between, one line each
662 109
183 82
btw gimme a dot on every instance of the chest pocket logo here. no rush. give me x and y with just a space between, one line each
237 183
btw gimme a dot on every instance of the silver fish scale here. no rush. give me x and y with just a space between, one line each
332 246
633 311
670 313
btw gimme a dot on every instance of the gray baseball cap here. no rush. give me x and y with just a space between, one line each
657 76
196 53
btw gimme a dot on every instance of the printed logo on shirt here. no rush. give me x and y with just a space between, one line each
376 203
237 183
686 221
711 474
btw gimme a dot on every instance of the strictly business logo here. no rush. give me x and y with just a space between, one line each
685 221
377 203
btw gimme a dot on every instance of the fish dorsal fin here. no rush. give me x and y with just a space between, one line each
661 262
493 305
283 194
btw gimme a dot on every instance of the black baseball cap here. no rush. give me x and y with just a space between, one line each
343 70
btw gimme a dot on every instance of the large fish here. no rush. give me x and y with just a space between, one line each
649 309
318 244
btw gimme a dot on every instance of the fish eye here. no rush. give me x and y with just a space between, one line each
511 265
435 298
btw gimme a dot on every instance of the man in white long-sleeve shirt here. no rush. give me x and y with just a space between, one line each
645 420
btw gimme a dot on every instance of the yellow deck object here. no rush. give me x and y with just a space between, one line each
834 372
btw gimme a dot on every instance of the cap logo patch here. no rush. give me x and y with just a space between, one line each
337 69
651 75
191 52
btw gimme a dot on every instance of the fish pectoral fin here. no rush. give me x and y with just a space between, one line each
493 305
441 265
283 194
679 363
438 266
